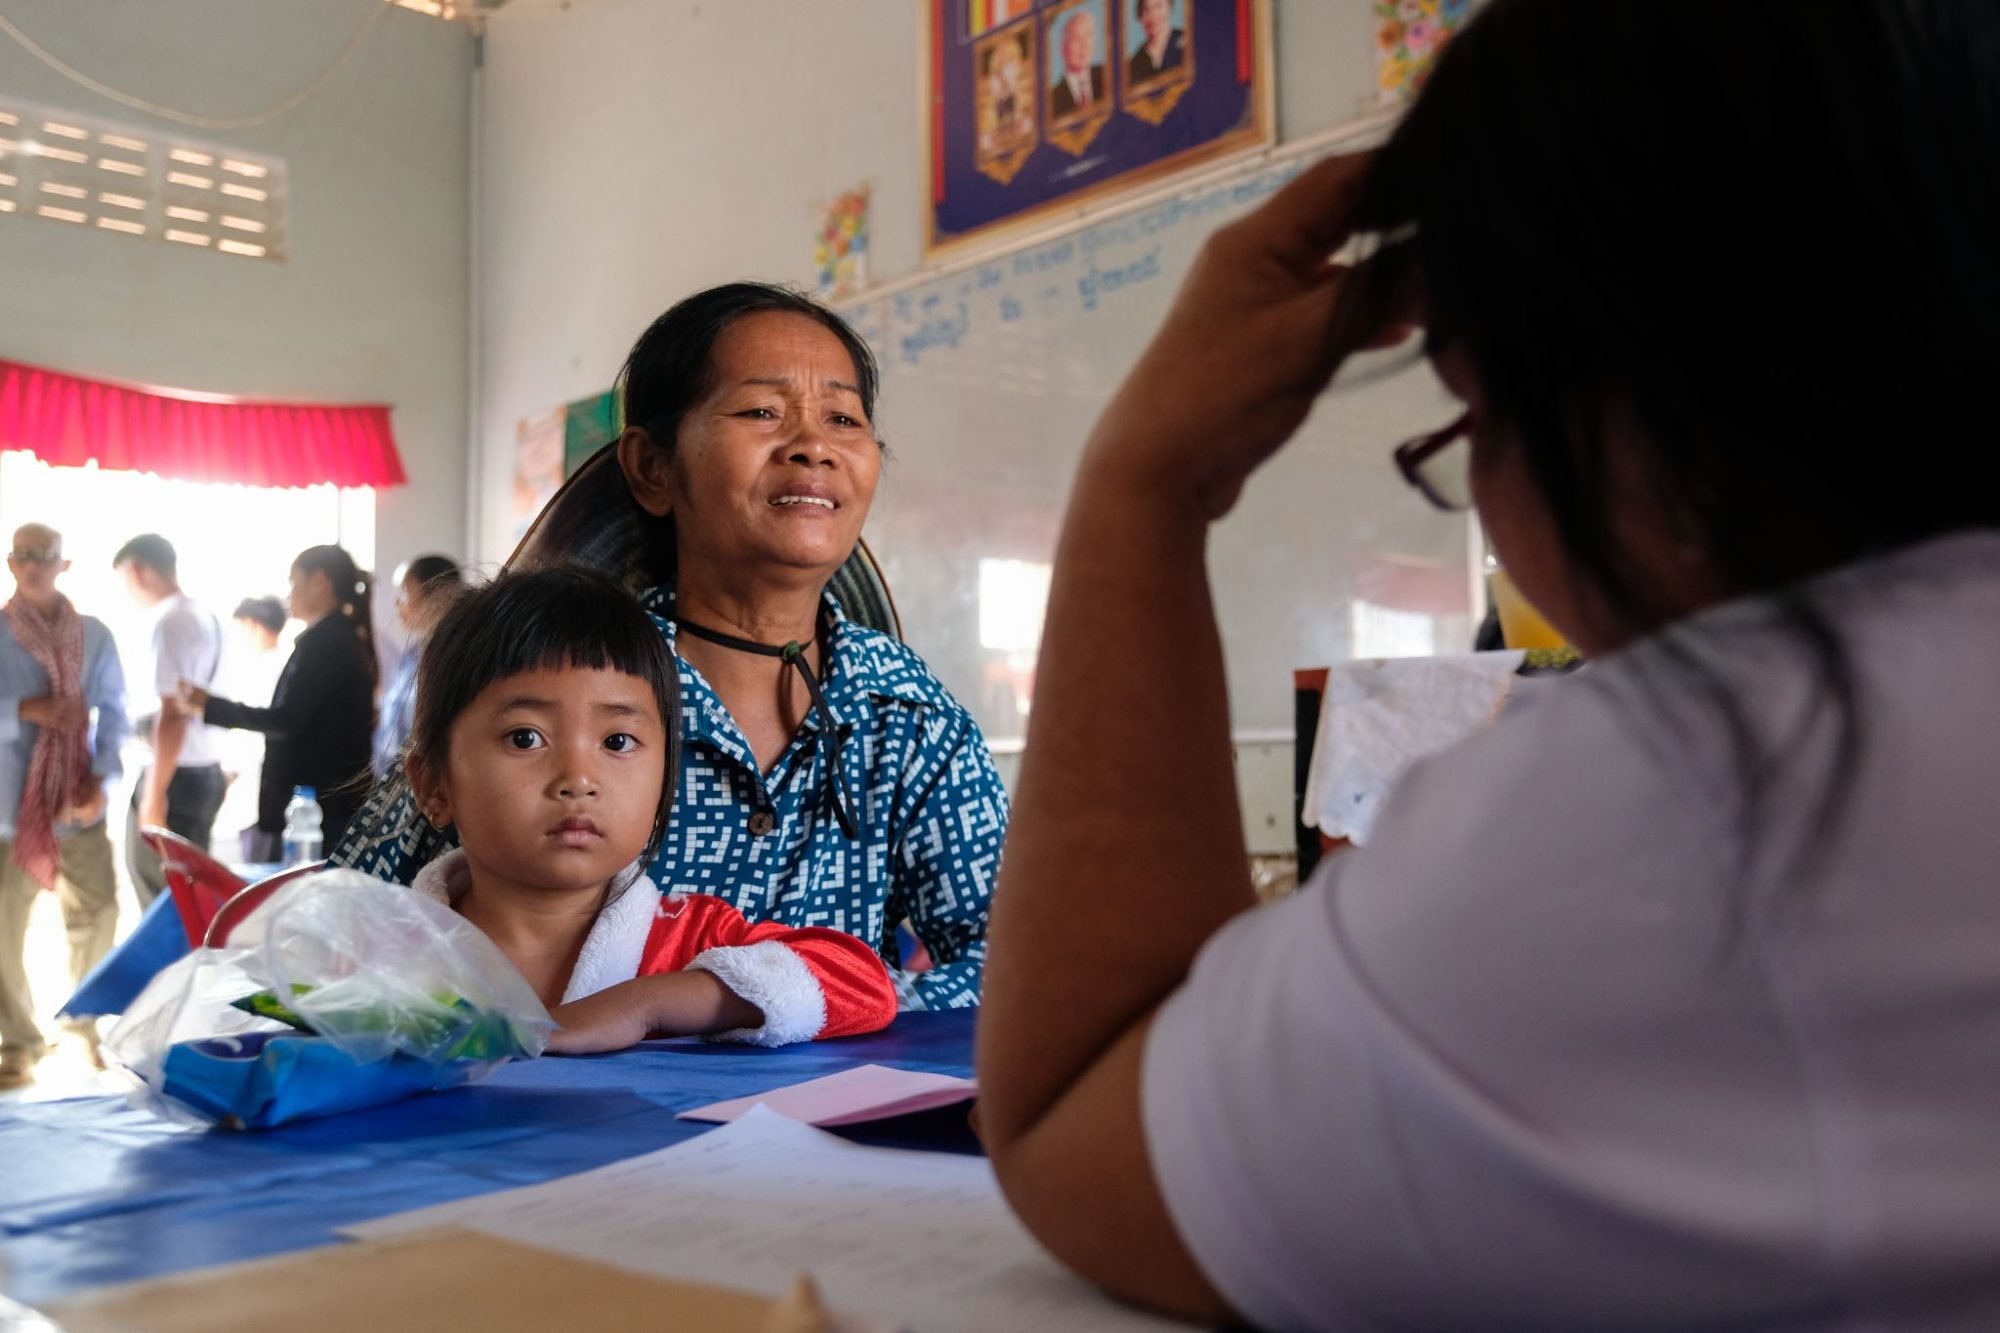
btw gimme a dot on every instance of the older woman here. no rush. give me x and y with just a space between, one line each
826 777
1671 1000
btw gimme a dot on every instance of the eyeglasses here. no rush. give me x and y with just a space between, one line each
36 555
1442 473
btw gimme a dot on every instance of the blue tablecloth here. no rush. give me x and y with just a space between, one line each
93 1191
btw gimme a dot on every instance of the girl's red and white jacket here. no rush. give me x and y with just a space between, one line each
809 981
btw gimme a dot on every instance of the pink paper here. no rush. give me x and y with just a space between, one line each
851 1097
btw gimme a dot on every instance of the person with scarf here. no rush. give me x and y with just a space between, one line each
57 669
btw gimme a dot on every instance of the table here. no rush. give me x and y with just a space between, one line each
94 1191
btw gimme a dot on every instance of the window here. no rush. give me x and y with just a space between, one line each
82 172
1384 631
451 9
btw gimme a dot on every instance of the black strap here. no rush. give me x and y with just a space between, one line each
794 654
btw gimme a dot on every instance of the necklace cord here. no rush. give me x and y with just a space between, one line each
793 654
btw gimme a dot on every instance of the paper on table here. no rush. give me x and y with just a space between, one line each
851 1097
919 1239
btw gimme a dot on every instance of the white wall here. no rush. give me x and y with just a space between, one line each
371 305
634 151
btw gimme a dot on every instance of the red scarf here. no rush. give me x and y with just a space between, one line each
59 769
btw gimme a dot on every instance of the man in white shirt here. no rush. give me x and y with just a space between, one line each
182 788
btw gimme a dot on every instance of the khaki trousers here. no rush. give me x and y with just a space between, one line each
87 888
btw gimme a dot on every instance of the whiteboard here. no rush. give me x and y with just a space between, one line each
992 376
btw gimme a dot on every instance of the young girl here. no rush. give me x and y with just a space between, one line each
542 738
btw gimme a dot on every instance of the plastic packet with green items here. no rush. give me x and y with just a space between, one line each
454 1028
377 972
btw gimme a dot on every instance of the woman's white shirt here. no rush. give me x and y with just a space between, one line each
1549 1053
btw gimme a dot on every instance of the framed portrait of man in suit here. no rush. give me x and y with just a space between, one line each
1077 36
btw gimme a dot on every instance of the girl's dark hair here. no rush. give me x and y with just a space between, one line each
671 367
352 590
268 612
562 617
1760 231
429 569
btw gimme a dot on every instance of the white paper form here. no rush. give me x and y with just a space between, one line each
921 1240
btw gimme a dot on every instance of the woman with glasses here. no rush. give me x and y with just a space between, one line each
1673 1000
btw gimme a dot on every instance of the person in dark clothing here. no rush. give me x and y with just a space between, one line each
317 729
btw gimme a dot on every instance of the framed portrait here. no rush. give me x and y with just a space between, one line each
1008 99
985 15
1159 59
1035 107
1078 72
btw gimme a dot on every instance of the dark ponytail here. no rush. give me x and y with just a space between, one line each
353 587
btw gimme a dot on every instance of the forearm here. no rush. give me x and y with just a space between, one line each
1126 850
169 732
694 1004
281 719
675 1004
1082 1180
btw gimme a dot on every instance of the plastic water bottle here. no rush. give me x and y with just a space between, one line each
302 827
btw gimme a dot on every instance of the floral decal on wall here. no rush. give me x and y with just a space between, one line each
840 245
1409 34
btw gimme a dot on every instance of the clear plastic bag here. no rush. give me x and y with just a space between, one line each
378 973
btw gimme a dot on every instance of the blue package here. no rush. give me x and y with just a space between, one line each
260 1079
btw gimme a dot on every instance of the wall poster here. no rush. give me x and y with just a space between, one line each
550 445
1409 37
840 246
1038 106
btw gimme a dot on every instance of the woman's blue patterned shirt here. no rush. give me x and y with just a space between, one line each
929 804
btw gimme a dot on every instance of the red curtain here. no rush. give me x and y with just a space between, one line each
68 421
